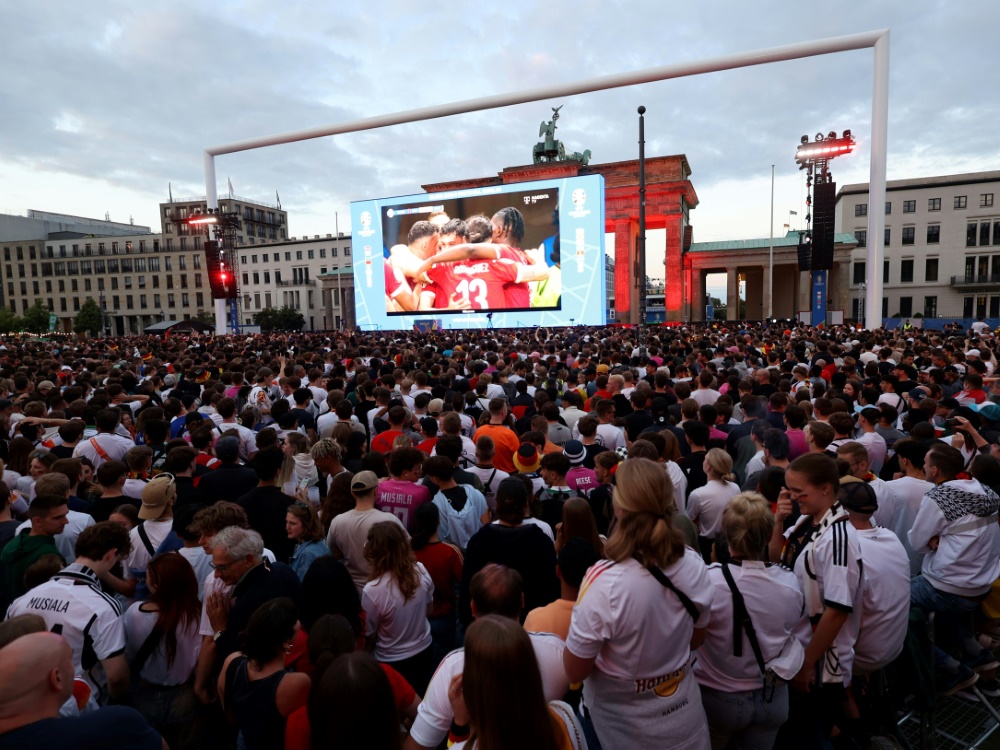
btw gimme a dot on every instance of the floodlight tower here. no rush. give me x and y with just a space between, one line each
816 243
220 257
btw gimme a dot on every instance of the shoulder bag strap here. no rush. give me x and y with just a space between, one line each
144 536
664 581
100 451
742 623
146 650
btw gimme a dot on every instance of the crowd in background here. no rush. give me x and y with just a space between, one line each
685 537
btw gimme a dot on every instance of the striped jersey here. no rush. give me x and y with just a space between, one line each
74 606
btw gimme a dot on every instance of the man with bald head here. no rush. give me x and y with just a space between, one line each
36 679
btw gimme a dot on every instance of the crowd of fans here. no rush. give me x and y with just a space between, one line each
688 537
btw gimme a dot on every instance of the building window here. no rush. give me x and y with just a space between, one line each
933 234
142 302
267 277
931 269
861 209
861 236
322 252
885 273
288 256
86 285
157 301
256 277
114 282
253 258
887 236
347 251
200 298
933 204
908 235
182 262
298 255
246 278
243 259
967 307
197 261
961 201
996 232
168 263
170 300
909 207
197 281
970 234
986 200
984 233
116 301
333 251
906 271
888 208
905 307
156 282
154 264
312 254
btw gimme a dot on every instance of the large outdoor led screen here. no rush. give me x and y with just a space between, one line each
530 254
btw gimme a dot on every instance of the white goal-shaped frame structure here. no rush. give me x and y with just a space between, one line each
877 40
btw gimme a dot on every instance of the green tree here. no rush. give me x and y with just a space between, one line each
9 322
279 319
205 316
36 318
89 318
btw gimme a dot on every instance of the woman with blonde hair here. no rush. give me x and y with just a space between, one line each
396 601
746 698
639 614
823 550
706 504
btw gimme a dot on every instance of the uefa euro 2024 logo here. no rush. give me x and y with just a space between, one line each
579 198
366 224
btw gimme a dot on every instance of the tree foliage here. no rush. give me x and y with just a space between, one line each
9 322
88 319
279 319
205 316
36 318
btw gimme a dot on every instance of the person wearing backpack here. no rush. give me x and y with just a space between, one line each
488 474
157 517
755 641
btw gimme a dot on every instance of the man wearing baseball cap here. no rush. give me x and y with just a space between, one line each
157 516
349 531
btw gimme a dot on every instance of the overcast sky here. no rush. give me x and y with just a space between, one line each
104 104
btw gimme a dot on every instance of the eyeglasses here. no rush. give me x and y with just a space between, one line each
222 568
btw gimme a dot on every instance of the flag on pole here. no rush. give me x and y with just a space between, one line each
230 187
793 213
278 198
787 226
170 192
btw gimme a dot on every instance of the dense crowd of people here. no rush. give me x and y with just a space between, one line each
682 537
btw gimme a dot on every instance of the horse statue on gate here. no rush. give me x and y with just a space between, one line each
551 149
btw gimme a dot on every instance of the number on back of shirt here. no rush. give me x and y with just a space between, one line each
474 292
403 514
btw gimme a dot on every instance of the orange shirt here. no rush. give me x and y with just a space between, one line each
505 443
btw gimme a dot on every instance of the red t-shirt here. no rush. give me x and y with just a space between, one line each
518 293
444 562
394 281
480 282
298 732
382 443
427 446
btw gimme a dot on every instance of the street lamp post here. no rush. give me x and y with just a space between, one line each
642 232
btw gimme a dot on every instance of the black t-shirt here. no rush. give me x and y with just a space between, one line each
119 727
266 508
7 531
592 450
103 507
63 451
636 422
304 418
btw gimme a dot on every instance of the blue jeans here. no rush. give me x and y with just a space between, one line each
742 720
951 624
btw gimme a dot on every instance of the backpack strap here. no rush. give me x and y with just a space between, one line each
742 623
664 581
144 536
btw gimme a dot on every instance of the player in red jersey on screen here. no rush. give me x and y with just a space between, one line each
473 284
507 227
399 296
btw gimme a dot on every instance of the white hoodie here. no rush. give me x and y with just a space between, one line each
963 515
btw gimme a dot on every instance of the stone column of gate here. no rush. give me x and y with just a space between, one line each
623 271
732 294
673 270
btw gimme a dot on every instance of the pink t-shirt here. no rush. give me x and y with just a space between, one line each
581 479
797 444
401 499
